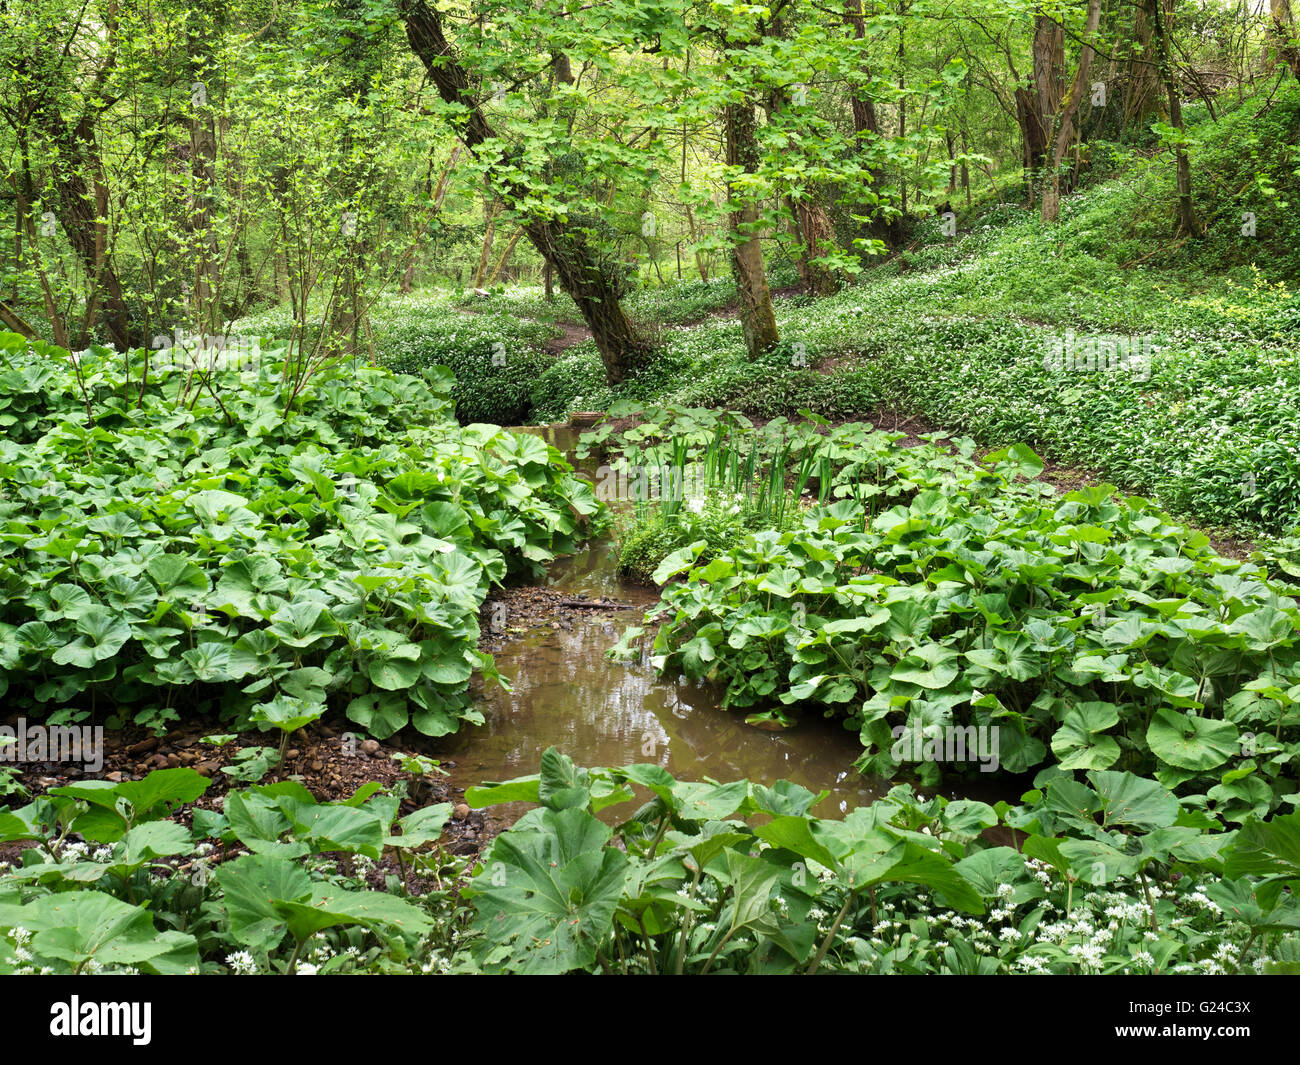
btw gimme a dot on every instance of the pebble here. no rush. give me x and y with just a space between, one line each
461 812
371 747
292 752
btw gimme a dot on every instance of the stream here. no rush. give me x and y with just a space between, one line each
567 694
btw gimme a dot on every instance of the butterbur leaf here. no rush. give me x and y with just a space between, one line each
393 674
334 827
380 715
102 634
546 897
1016 459
1078 743
1269 849
1128 801
1191 742
784 798
251 886
423 826
287 714
331 906
795 833
446 663
523 789
81 926
930 666
177 577
303 623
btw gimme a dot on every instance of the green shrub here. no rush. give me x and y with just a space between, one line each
575 380
209 554
941 590
495 356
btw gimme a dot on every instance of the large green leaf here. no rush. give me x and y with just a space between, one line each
545 899
81 926
1078 743
251 886
1191 742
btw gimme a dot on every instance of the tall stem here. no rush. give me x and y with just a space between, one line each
830 936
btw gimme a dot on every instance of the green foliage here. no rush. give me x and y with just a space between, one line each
222 556
939 592
154 900
688 883
681 303
1113 875
575 381
494 354
648 539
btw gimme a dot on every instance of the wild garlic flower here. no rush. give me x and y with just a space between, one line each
241 963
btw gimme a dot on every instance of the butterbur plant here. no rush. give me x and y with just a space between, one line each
1113 875
214 557
133 894
941 592
287 714
422 770
251 764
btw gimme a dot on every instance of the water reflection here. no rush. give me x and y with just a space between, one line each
567 694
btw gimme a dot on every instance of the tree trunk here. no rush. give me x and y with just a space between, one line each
203 177
757 318
965 171
485 251
1142 88
866 127
83 213
811 227
902 96
593 285
1283 35
1064 128
816 236
1187 220
81 190
505 255
1037 104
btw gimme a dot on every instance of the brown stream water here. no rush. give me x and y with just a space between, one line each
567 694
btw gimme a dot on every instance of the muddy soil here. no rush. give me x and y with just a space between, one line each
329 761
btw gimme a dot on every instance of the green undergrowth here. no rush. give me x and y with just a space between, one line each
1110 874
932 591
173 549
